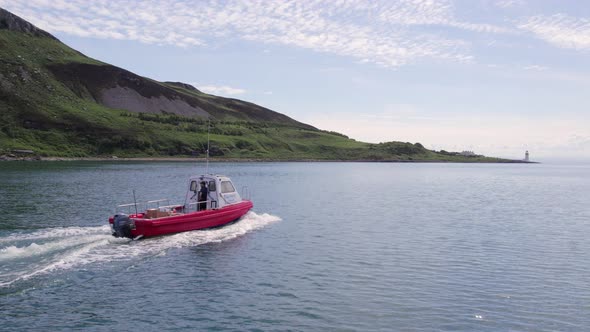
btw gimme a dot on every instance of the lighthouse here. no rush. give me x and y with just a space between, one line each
526 156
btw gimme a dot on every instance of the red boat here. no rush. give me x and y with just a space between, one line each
211 201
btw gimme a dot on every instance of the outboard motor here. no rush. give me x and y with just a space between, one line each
122 225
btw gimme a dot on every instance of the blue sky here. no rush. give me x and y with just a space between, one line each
494 76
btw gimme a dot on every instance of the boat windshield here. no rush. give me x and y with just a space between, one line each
227 187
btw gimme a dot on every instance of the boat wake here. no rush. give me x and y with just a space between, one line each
24 256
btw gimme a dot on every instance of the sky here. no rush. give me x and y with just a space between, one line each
497 77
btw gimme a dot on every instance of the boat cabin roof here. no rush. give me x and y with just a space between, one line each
209 177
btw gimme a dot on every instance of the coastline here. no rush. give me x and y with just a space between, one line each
252 160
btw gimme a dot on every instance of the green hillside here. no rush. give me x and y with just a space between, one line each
58 102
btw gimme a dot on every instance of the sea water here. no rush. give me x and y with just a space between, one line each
328 246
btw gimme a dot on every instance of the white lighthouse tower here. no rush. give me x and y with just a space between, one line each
526 155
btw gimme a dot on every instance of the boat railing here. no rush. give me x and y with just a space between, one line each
187 207
130 208
155 204
194 206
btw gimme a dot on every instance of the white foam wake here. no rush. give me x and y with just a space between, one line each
34 249
28 255
51 233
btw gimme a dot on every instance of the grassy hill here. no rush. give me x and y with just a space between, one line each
58 102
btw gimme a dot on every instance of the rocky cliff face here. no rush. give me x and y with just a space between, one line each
14 23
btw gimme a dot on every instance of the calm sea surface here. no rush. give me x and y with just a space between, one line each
328 247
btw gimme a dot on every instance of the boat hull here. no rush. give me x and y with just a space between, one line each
189 221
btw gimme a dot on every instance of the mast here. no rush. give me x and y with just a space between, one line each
208 125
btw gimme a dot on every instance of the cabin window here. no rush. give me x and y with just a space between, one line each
193 185
227 187
212 186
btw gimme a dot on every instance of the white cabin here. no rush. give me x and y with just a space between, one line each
221 192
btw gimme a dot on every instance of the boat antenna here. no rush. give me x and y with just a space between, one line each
208 126
135 202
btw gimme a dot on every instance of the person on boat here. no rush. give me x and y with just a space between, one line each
202 197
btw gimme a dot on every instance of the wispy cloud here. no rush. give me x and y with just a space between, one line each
535 68
147 22
220 90
373 32
385 33
432 13
560 30
509 3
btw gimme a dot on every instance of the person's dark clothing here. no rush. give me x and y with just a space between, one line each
202 198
